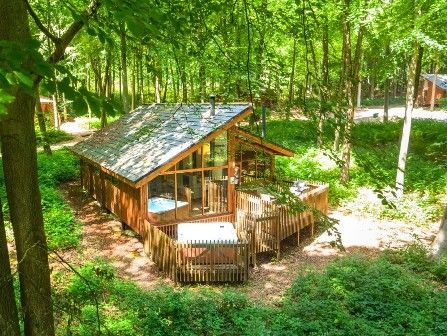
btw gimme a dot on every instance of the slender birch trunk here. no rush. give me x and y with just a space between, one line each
433 88
406 130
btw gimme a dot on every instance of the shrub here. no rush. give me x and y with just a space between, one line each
54 136
360 296
394 294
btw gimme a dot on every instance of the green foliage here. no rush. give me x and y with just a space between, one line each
362 296
125 309
374 149
54 136
381 101
61 227
399 293
58 168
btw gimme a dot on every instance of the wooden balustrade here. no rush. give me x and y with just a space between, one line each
196 261
261 225
268 223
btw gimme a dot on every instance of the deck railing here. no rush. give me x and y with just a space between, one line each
261 225
268 223
196 261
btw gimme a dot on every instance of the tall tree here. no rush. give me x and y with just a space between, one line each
20 169
351 78
9 319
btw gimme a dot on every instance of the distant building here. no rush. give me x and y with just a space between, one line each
426 88
46 104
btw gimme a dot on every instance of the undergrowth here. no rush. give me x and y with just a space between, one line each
54 136
374 160
399 293
61 227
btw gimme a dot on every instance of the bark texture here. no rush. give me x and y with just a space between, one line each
9 319
20 170
405 138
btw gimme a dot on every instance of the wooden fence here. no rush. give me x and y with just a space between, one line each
268 223
196 261
261 225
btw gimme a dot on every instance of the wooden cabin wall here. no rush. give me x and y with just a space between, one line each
114 195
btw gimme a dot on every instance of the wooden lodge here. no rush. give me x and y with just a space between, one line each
175 175
426 94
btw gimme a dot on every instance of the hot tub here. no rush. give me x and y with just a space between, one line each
163 209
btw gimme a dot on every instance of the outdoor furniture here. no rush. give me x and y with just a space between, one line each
198 232
201 241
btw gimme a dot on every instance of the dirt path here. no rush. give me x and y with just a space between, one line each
102 236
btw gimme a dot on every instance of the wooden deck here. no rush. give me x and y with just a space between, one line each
261 226
266 223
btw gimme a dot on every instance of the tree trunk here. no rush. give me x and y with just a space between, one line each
174 87
202 81
9 318
19 158
133 82
359 95
41 122
140 77
324 91
386 99
56 118
439 246
405 138
165 85
372 87
105 84
157 88
433 88
352 70
291 80
124 82
184 83
64 108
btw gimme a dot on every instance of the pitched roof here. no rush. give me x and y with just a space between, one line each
152 135
441 80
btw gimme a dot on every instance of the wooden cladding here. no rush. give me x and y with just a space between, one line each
114 195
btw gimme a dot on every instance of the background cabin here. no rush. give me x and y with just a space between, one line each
426 89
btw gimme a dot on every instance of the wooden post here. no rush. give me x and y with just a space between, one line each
231 163
143 207
175 195
91 181
81 165
103 189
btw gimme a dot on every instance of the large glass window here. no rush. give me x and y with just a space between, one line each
215 152
192 161
189 194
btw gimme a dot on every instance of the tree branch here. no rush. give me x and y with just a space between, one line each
39 23
71 32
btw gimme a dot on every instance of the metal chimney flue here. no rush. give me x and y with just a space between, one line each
213 104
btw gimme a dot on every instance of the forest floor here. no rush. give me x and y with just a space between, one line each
102 236
399 112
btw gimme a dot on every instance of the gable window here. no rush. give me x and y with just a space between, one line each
194 186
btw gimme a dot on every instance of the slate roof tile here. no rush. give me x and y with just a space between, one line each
152 135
